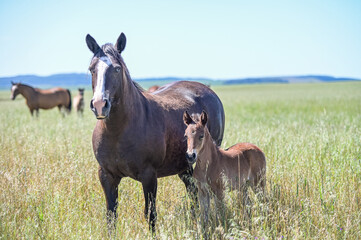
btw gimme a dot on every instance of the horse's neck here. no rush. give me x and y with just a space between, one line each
129 109
26 91
209 152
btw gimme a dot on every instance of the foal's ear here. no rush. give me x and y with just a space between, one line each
120 45
204 118
92 44
187 118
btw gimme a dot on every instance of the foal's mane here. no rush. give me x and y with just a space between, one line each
110 50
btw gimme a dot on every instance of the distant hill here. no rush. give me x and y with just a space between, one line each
289 79
73 80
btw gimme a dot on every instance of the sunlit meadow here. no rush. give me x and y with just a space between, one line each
310 133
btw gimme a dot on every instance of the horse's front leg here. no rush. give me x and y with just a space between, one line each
204 199
188 180
149 182
110 187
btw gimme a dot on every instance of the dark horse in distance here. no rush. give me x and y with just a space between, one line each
37 98
141 135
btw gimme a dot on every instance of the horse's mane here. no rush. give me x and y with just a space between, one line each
110 50
24 85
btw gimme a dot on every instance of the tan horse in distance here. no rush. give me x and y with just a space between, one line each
153 88
79 101
42 98
215 167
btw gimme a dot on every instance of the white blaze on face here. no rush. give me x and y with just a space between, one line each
13 88
102 66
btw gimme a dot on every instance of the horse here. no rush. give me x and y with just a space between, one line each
153 88
138 134
79 101
237 167
42 98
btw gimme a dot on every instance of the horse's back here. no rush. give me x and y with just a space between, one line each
247 149
193 97
250 153
49 98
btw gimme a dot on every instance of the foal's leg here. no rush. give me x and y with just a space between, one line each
149 182
110 187
246 202
204 199
191 187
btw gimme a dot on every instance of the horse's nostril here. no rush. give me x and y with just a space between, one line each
91 104
193 155
106 105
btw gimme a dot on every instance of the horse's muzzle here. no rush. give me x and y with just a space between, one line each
191 157
100 107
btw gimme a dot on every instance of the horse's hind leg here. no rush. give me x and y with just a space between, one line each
246 202
110 187
191 187
259 184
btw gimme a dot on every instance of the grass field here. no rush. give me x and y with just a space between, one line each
310 133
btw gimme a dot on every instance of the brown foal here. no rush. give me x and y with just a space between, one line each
79 101
216 168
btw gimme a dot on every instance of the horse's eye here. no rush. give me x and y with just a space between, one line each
117 69
201 137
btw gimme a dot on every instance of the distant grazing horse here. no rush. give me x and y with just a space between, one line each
44 99
153 88
79 101
141 135
241 163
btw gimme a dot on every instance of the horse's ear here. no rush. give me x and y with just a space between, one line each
204 118
120 45
187 118
92 44
12 83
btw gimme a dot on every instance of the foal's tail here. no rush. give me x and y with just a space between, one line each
69 105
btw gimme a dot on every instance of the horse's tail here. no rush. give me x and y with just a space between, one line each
69 105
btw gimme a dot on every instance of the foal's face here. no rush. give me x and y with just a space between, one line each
194 134
81 91
107 72
14 91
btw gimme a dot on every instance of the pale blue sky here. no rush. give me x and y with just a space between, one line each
216 39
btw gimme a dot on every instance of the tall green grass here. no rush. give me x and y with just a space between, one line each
310 134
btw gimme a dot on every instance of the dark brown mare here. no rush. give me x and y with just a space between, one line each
141 135
240 164
42 98
79 101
